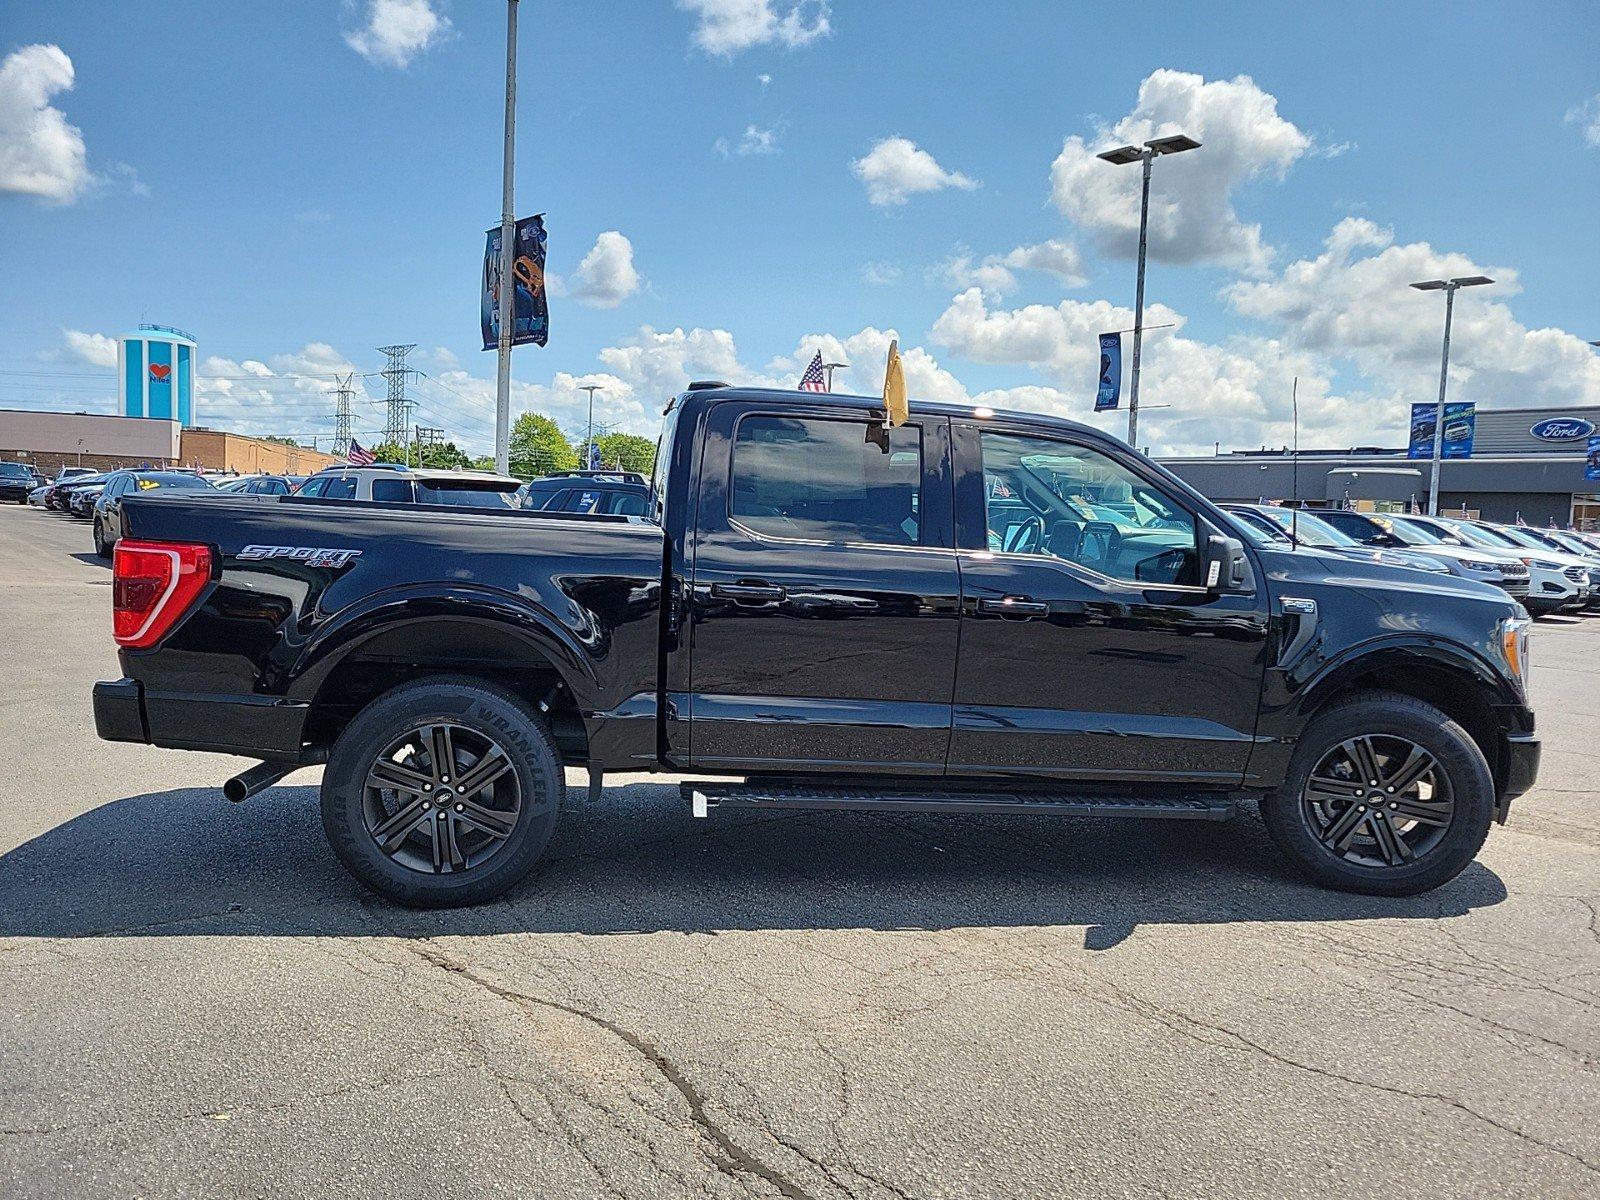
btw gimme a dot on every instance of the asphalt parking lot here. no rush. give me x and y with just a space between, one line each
195 999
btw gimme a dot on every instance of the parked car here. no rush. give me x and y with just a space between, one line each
16 481
81 498
1558 580
1307 529
1501 568
820 621
56 497
263 485
620 493
119 485
391 483
37 496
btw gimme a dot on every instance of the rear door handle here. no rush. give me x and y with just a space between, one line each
745 593
1015 606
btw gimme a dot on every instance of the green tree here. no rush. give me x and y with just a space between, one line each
538 447
388 452
446 456
626 452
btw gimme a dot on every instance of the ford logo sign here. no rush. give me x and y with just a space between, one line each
1562 429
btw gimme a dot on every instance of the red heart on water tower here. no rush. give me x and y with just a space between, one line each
159 371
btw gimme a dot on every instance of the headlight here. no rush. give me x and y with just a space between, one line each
1482 567
1539 564
1514 648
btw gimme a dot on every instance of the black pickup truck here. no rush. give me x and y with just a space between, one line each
974 612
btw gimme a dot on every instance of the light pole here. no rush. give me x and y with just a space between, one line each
508 234
1177 143
588 442
828 367
1449 287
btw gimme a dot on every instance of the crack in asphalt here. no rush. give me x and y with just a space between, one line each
727 1156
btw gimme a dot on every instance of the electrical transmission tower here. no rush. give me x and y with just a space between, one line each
341 437
399 418
427 437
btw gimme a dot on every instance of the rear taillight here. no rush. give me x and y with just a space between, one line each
152 585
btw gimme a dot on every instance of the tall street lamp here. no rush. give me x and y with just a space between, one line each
1449 287
1177 143
588 445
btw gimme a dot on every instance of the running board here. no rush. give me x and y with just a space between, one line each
703 797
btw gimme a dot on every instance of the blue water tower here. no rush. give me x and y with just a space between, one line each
156 367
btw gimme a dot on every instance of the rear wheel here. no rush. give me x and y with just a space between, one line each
101 546
442 792
1385 795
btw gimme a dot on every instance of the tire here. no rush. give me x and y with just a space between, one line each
101 546
1388 854
416 871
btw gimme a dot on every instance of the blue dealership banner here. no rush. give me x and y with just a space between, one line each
530 315
1591 463
1110 372
1460 425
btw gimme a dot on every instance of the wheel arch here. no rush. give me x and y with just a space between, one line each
403 639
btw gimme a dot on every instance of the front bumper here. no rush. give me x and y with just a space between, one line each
265 727
1522 769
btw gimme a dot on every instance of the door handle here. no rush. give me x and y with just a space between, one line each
747 593
1019 607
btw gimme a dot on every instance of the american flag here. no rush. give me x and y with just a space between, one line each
813 380
359 455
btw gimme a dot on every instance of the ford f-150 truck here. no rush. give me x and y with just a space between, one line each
970 612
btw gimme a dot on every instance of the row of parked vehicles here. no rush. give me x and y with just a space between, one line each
1547 570
98 497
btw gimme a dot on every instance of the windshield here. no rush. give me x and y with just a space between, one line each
467 493
1562 538
15 469
658 473
1518 537
1411 535
1305 528
176 482
1487 538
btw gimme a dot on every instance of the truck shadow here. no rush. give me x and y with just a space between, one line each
185 862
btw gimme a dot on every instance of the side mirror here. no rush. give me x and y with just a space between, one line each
1225 567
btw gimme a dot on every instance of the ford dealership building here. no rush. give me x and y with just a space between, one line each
1527 464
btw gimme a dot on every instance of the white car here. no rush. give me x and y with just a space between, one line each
389 483
1556 581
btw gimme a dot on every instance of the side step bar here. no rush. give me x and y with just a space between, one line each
1199 806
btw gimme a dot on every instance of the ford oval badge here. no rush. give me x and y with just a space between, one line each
1562 429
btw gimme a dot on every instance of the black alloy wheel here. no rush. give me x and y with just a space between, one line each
441 798
1378 800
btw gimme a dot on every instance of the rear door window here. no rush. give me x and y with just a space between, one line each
826 480
339 487
392 491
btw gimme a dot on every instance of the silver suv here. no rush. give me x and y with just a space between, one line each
387 483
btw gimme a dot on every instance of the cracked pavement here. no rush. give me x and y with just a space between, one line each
196 1000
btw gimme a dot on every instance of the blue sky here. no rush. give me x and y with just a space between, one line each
298 183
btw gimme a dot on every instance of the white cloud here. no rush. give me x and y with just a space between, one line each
606 276
94 348
41 154
396 31
880 274
1353 303
996 273
764 79
754 140
1586 117
1192 217
726 27
897 167
867 353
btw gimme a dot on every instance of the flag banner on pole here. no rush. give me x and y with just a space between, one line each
895 402
1110 372
530 315
814 380
359 455
1591 462
1460 424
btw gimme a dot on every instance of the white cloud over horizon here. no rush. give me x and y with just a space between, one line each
1192 214
41 153
394 32
896 168
727 27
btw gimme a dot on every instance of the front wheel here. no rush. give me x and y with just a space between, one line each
1386 795
442 792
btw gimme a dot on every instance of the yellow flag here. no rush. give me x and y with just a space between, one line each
894 388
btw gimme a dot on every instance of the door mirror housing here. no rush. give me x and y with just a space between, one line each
1224 567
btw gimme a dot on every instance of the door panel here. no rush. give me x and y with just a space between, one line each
1067 670
812 650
